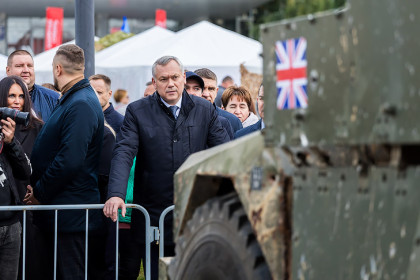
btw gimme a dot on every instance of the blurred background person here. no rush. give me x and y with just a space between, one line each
259 125
51 87
102 85
150 89
122 99
13 164
210 92
195 86
226 82
238 101
14 94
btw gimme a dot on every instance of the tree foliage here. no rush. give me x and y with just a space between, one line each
275 10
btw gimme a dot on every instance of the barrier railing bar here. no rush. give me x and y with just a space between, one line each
148 230
161 230
86 244
55 244
117 248
24 245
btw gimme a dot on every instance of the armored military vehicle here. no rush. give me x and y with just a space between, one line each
330 188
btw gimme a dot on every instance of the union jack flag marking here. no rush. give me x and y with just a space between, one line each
291 74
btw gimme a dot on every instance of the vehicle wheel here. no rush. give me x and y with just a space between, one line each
218 243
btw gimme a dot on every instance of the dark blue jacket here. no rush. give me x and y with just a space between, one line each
43 100
234 120
161 145
113 118
226 125
65 158
249 129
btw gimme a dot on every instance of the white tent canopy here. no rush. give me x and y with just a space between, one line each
201 45
43 65
129 62
3 64
120 62
126 52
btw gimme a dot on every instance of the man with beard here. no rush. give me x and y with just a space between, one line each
65 162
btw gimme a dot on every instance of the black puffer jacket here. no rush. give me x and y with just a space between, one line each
13 164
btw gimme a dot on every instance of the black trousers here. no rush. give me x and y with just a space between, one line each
70 256
133 253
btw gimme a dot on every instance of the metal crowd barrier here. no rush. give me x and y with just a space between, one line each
151 233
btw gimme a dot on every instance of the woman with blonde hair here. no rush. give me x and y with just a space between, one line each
238 101
122 99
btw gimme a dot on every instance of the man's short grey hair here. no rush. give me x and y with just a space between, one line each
164 60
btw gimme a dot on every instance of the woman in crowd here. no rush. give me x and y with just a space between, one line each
20 100
13 165
14 94
122 99
238 101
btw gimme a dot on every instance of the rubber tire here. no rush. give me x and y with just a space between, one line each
218 243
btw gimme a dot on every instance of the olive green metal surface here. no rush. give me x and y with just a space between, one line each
200 178
350 227
363 84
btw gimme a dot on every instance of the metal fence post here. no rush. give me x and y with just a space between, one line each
24 245
150 231
161 230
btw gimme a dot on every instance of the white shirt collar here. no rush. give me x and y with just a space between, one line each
177 104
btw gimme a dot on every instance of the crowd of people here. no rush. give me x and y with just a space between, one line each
77 148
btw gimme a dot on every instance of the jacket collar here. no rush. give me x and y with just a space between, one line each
70 84
109 109
79 85
187 104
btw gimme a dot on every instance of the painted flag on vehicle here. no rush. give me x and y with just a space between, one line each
291 74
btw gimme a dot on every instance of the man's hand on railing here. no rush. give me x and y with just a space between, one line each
29 197
111 208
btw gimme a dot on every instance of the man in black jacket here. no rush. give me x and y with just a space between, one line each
65 161
162 130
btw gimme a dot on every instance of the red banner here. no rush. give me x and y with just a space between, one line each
160 18
54 27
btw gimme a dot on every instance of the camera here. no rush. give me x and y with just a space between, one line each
18 116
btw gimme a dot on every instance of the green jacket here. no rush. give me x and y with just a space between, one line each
129 196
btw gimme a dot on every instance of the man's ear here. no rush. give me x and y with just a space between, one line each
58 69
7 70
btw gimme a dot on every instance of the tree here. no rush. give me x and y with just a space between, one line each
280 9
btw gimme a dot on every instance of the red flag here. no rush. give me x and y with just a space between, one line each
160 18
54 27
